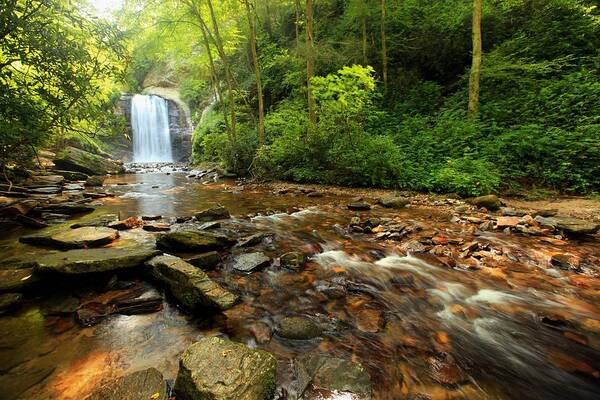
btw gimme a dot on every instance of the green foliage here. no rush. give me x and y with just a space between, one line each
465 176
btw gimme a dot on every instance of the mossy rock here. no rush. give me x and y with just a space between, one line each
74 159
193 241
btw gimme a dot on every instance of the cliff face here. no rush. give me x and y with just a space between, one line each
179 126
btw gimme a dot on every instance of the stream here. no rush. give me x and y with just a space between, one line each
499 324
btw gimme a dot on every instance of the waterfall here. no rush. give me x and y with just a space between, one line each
150 123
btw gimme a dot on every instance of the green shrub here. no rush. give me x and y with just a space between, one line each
466 177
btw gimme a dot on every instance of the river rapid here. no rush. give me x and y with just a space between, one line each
493 320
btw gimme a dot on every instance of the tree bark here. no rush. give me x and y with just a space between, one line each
475 76
384 55
310 63
364 34
228 75
257 71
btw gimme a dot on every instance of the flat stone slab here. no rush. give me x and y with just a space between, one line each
251 262
148 384
103 220
87 261
218 369
85 237
46 180
569 225
193 241
190 285
212 214
16 280
205 261
67 208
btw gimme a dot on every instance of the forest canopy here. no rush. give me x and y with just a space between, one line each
352 92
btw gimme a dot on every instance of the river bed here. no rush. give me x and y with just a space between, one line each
502 324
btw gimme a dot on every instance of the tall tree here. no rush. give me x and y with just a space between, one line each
475 76
384 53
310 63
257 70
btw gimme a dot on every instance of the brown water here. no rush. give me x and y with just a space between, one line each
504 325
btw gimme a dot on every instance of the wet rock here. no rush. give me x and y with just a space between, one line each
61 306
190 285
31 222
571 226
251 262
511 212
212 214
193 241
359 206
95 180
85 237
218 369
490 202
45 190
565 261
545 213
205 261
394 201
261 332
86 261
140 305
462 208
444 370
104 220
297 328
156 227
15 208
315 194
17 280
333 374
254 240
73 187
369 320
141 385
45 180
507 222
126 224
293 260
210 225
151 217
73 159
93 313
67 208
71 175
9 302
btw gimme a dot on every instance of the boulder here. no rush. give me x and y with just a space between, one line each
205 261
190 285
73 159
71 175
359 206
293 260
193 241
9 302
218 369
298 328
490 202
251 262
87 261
74 238
332 374
16 208
140 385
391 201
212 214
17 280
95 180
570 225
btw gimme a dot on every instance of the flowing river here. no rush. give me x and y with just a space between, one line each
424 326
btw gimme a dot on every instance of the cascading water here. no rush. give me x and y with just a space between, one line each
151 135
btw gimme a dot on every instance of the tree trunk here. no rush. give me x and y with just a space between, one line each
364 35
475 77
228 75
297 7
257 71
384 56
310 63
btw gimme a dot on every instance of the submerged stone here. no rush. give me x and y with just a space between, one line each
212 214
293 260
298 328
86 261
17 280
251 262
196 241
218 369
140 385
104 220
333 374
190 285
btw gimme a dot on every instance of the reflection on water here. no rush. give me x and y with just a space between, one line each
505 330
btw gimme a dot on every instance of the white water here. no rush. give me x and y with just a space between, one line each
151 135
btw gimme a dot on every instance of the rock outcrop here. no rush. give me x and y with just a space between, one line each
74 159
218 369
